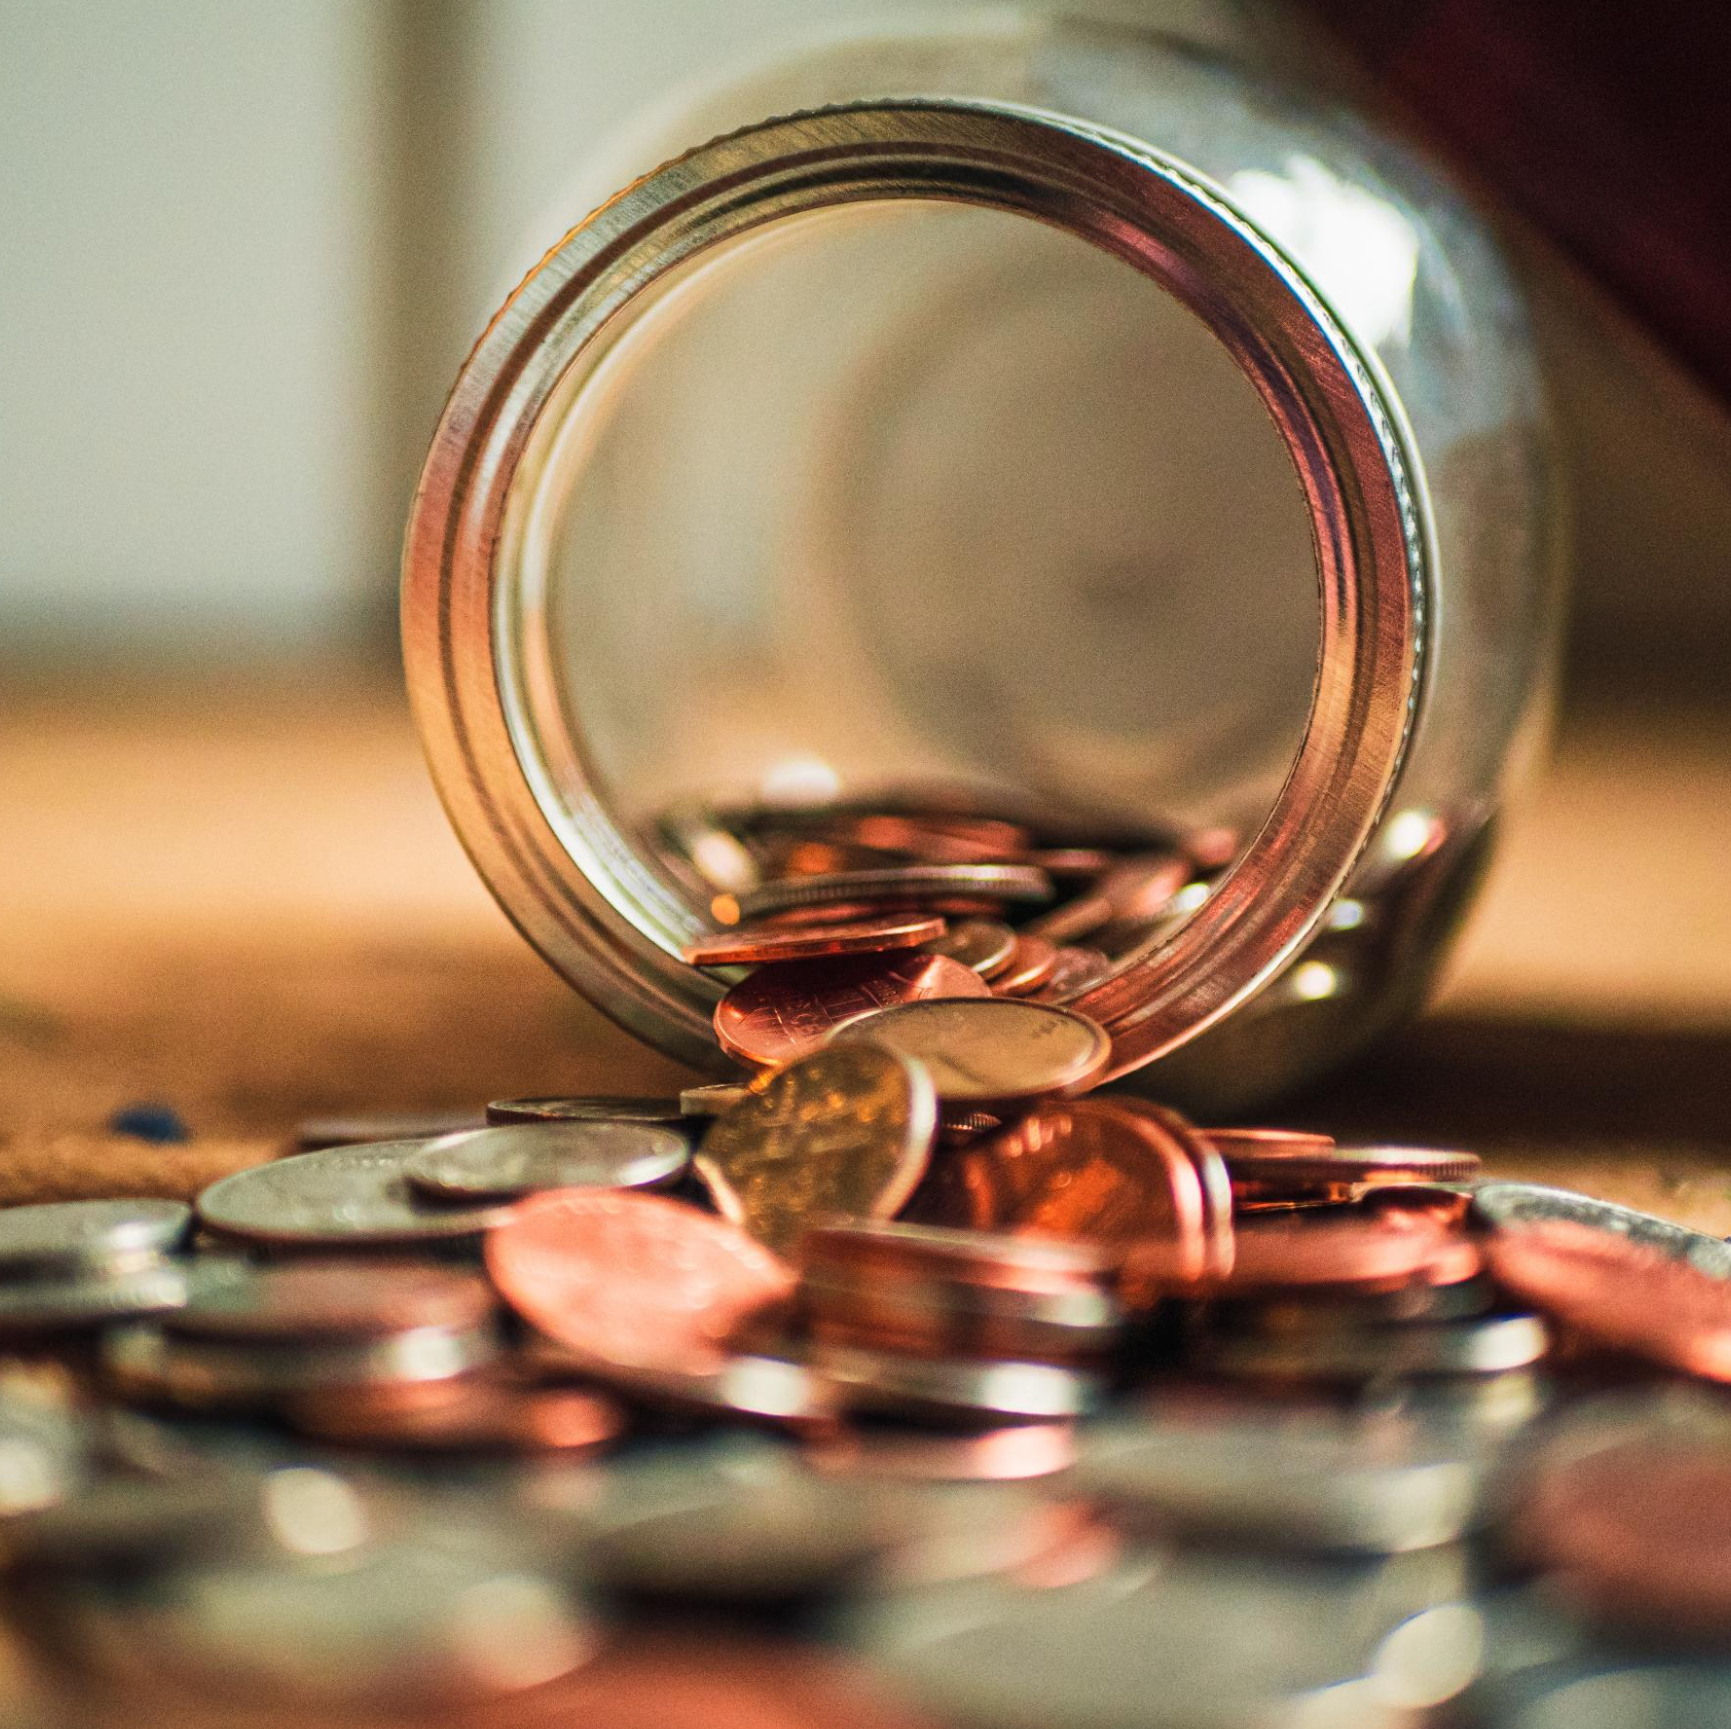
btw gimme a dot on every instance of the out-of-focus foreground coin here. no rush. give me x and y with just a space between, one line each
80 1236
991 1051
1503 1205
841 1134
524 1158
782 1012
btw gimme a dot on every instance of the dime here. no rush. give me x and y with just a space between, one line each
88 1236
782 1012
356 1129
631 1280
712 1100
995 1051
756 947
342 1195
1073 972
1086 1170
986 945
900 884
1507 1204
1030 967
843 1133
596 1108
523 1158
470 1414
1619 1292
307 1301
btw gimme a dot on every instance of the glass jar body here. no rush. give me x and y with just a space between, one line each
900 494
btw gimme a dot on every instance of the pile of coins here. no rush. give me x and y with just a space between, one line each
903 1381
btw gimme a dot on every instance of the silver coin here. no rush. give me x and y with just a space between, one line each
143 1362
1505 1204
592 1108
343 1195
986 945
1648 1696
78 1235
1306 1485
1002 882
68 1305
887 1383
712 1100
523 1158
1491 1346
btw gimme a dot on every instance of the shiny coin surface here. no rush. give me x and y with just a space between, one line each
986 945
306 1301
899 884
93 1300
360 1127
1030 967
748 947
1277 1142
887 1383
712 1100
74 1235
993 1051
1085 1170
632 1280
468 1414
1298 1168
343 1195
844 1133
1074 970
782 1012
594 1108
1508 1204
525 1158
1619 1293
1357 1250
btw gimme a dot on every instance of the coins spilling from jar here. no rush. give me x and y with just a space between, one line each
908 1379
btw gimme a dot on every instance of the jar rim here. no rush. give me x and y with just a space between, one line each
575 883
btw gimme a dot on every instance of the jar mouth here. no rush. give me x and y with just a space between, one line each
523 796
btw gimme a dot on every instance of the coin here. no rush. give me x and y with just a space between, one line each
1264 1170
887 1383
843 1133
1620 1292
314 1134
986 945
1030 966
1084 1170
1073 971
1233 1142
712 1100
1488 1345
1504 1204
1156 1261
302 1302
1359 1250
340 1196
69 1305
899 884
994 1051
755 947
782 1012
73 1236
596 1108
469 1414
632 1279
1011 1454
522 1158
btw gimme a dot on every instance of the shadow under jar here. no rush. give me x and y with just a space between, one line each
1110 429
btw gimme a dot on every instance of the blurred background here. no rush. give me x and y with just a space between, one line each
246 248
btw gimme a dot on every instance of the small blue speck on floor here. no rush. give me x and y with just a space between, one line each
159 1123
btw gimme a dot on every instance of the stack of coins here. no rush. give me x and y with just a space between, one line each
68 1266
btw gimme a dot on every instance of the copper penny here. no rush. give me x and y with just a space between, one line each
986 945
1297 1167
1359 1250
1271 1142
1640 1533
782 1012
632 1279
842 1133
1618 1294
1156 1263
991 1051
761 944
470 1414
1088 1171
311 1300
1030 966
902 883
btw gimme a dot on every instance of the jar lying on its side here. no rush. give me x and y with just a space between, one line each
1103 431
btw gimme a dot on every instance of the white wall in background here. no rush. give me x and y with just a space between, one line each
187 318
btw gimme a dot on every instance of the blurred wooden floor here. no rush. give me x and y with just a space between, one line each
243 902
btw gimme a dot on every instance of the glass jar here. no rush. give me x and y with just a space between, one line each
1050 409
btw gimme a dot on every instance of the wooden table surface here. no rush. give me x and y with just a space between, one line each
241 900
